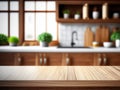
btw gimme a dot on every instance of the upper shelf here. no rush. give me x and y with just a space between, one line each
88 20
106 9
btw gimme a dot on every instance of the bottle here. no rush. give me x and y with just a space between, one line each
85 11
105 11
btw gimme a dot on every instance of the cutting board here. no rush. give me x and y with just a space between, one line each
102 34
88 37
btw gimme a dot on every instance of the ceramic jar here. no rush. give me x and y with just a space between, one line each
95 14
117 43
115 15
66 16
76 16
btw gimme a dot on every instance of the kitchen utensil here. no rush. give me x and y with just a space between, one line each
105 34
102 35
98 35
105 11
88 37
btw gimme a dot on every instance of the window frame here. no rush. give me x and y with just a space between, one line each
10 11
39 11
21 13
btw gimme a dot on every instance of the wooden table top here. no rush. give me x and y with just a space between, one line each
60 75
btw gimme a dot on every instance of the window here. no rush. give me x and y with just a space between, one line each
39 17
9 17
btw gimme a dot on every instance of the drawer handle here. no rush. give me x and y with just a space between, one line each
67 61
45 60
105 61
40 61
19 59
99 61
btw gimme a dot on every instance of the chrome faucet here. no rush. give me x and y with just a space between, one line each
72 41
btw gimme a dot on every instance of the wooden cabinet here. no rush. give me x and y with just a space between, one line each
106 9
107 59
52 59
60 59
79 59
55 59
7 58
25 59
29 59
113 59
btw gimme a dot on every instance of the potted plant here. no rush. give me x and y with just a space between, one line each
45 39
66 13
115 36
95 13
13 41
3 39
77 15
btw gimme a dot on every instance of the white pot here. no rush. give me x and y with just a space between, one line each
115 15
43 44
117 43
66 16
95 14
12 44
76 16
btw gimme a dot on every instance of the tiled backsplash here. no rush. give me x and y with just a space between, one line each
66 29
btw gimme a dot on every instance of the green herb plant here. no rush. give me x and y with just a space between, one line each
3 39
66 11
45 37
77 12
115 35
13 39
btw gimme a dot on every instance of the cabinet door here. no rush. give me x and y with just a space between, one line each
27 58
113 58
105 59
98 59
6 58
52 59
81 59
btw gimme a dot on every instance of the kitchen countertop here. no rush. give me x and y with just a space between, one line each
55 49
60 76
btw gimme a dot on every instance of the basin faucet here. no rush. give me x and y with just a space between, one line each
72 39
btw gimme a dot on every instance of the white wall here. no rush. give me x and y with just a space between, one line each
66 29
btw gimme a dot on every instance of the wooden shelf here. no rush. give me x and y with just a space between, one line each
113 6
61 20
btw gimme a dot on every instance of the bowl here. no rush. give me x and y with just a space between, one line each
107 44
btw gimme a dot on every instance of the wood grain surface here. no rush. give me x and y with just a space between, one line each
60 76
59 73
88 37
102 34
